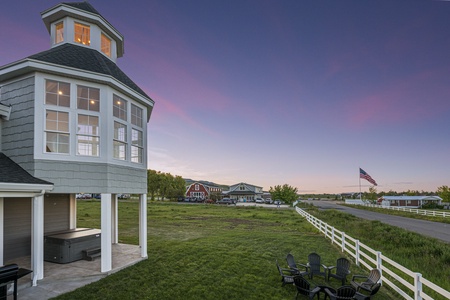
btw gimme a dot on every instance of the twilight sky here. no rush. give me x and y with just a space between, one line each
271 92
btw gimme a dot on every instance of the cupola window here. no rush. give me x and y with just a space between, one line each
82 34
59 33
106 45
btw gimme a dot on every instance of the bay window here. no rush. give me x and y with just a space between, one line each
120 141
88 139
57 132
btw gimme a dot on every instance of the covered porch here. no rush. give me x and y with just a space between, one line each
63 278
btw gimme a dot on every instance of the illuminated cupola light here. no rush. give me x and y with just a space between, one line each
81 24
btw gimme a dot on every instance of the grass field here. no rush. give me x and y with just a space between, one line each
208 252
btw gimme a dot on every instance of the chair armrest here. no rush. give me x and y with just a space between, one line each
325 267
359 276
331 267
315 291
330 294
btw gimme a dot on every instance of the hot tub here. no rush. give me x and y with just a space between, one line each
66 247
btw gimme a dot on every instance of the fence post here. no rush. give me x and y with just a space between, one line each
343 242
417 286
357 252
379 264
332 235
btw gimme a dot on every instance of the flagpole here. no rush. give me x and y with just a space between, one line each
360 185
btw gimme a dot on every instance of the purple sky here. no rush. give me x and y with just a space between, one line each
273 92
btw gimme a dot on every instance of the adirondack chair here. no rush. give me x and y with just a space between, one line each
315 267
345 292
366 283
304 288
287 275
341 270
295 267
361 296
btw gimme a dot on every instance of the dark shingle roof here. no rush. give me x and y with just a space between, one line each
83 6
10 172
83 58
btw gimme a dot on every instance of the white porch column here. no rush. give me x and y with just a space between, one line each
2 216
37 238
143 224
106 258
115 220
73 211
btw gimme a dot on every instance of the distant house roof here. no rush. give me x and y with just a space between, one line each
87 59
395 198
10 172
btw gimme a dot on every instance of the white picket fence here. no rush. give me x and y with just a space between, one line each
369 258
424 212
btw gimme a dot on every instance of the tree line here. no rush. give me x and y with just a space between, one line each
164 185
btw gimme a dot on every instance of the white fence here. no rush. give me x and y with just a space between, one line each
393 274
411 210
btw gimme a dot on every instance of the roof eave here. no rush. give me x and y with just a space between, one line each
27 65
25 187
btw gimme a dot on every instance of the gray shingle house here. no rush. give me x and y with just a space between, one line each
70 122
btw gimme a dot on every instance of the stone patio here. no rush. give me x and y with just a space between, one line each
63 278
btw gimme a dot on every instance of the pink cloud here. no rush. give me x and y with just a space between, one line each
418 97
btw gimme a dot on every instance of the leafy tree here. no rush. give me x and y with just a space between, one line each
444 193
372 196
153 183
178 187
285 193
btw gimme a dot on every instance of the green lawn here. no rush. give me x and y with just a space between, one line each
208 252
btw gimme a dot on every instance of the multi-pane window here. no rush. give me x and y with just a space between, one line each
59 32
105 45
88 138
120 141
119 108
57 131
88 98
82 34
57 93
137 146
136 115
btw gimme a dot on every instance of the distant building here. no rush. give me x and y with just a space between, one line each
408 201
244 192
201 190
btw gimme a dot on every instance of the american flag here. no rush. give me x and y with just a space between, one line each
364 175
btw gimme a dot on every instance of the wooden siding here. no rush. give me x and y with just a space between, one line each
81 177
17 133
57 212
17 228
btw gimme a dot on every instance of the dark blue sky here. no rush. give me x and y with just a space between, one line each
273 92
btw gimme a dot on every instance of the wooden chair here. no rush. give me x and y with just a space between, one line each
342 269
361 296
287 275
315 267
295 267
304 288
345 292
369 281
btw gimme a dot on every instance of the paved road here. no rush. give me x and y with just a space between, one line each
436 230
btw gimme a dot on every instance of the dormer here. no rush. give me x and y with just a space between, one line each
81 24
